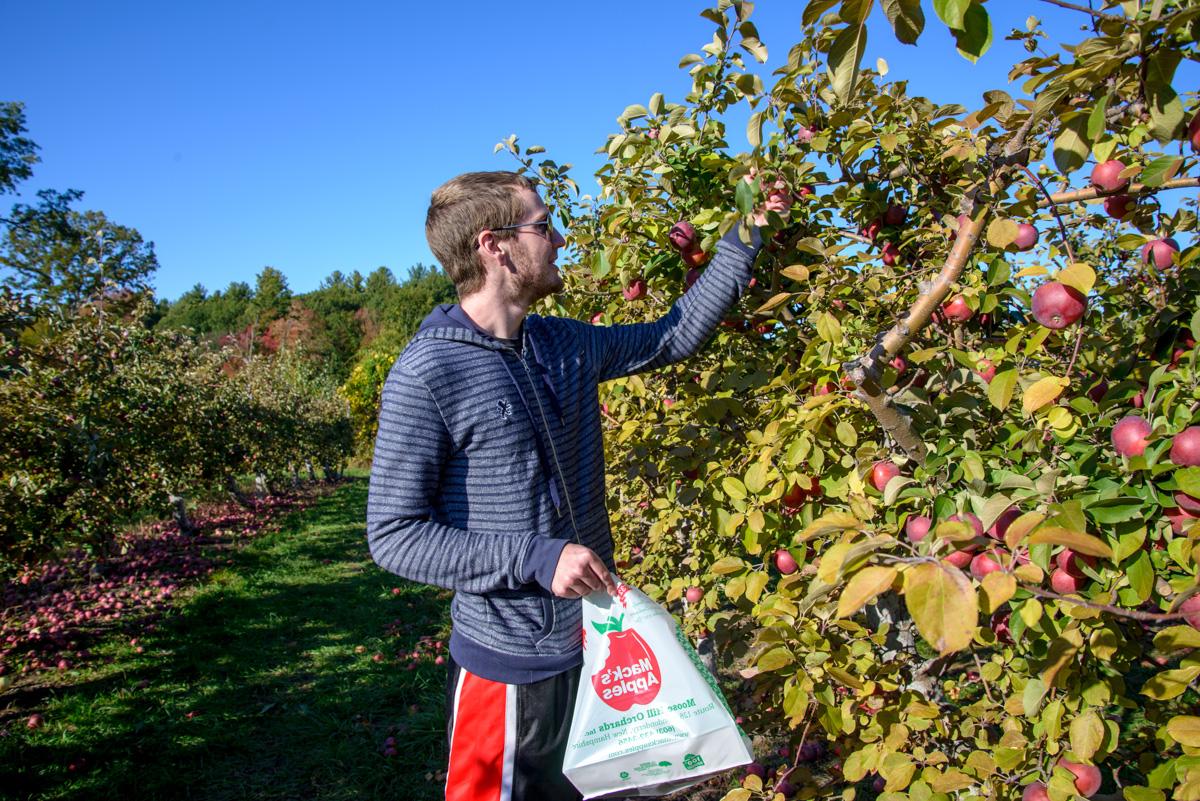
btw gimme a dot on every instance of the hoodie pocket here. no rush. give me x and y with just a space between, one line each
547 619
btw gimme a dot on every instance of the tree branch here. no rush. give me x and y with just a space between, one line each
1086 10
1154 617
1092 193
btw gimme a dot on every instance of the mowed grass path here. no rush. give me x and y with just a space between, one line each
263 684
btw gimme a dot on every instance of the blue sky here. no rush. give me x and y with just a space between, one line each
308 136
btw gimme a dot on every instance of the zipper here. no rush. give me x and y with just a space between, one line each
553 450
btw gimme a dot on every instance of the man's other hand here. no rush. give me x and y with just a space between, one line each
580 572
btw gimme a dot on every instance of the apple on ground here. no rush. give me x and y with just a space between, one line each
1185 447
1129 435
883 472
1057 305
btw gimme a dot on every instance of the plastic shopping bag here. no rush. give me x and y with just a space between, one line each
649 717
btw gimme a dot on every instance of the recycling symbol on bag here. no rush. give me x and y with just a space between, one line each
630 674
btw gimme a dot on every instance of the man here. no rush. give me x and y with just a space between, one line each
488 476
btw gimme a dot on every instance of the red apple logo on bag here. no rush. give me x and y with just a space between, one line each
630 674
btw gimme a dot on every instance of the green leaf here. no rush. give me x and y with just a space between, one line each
1160 170
863 586
754 128
815 9
636 111
1139 793
733 488
975 37
846 434
951 12
1140 574
756 478
774 659
1097 123
726 565
845 56
943 604
744 196
828 328
907 19
1000 391
1071 148
1166 108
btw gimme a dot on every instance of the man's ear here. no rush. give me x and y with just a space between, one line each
488 245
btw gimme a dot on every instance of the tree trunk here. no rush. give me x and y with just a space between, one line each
180 515
235 492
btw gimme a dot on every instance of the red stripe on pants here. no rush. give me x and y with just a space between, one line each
477 744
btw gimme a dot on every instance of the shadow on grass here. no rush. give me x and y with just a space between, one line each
264 685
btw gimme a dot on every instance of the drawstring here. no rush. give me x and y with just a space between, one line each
537 436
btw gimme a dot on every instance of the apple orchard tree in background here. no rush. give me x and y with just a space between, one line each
931 499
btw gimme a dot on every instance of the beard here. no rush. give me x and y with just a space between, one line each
534 278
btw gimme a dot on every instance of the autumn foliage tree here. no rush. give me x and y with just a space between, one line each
891 480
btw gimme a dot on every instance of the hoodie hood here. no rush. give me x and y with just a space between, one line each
449 321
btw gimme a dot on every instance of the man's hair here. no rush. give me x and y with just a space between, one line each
462 207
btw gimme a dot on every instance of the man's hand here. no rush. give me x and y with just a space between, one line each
779 198
580 572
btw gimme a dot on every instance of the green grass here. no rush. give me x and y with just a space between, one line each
267 656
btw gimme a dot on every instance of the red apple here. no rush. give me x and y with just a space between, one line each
682 235
1027 237
1107 176
1070 561
1129 435
1192 607
959 559
967 517
1000 527
956 309
882 473
1063 582
985 370
597 318
890 254
1185 447
635 290
1036 791
825 388
1057 305
694 257
871 230
1098 390
794 497
693 275
803 191
899 365
805 134
1187 503
1117 206
1087 777
34 721
1160 252
1181 520
917 528
895 215
784 561
1194 133
693 595
984 563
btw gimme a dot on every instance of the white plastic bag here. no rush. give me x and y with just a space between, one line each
649 717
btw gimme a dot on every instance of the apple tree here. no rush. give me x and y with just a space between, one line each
931 491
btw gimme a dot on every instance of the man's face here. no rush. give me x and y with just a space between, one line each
533 250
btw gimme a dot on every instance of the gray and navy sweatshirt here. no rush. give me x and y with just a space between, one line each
489 460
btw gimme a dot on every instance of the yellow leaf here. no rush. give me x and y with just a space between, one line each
865 585
1185 730
1087 733
774 659
1042 392
1035 270
726 565
831 563
796 272
1175 638
829 523
739 794
943 604
1076 541
998 588
776 300
1170 684
1001 233
1018 528
1078 275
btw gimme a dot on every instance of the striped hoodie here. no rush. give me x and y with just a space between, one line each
489 460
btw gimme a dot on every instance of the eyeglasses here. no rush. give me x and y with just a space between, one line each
546 224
